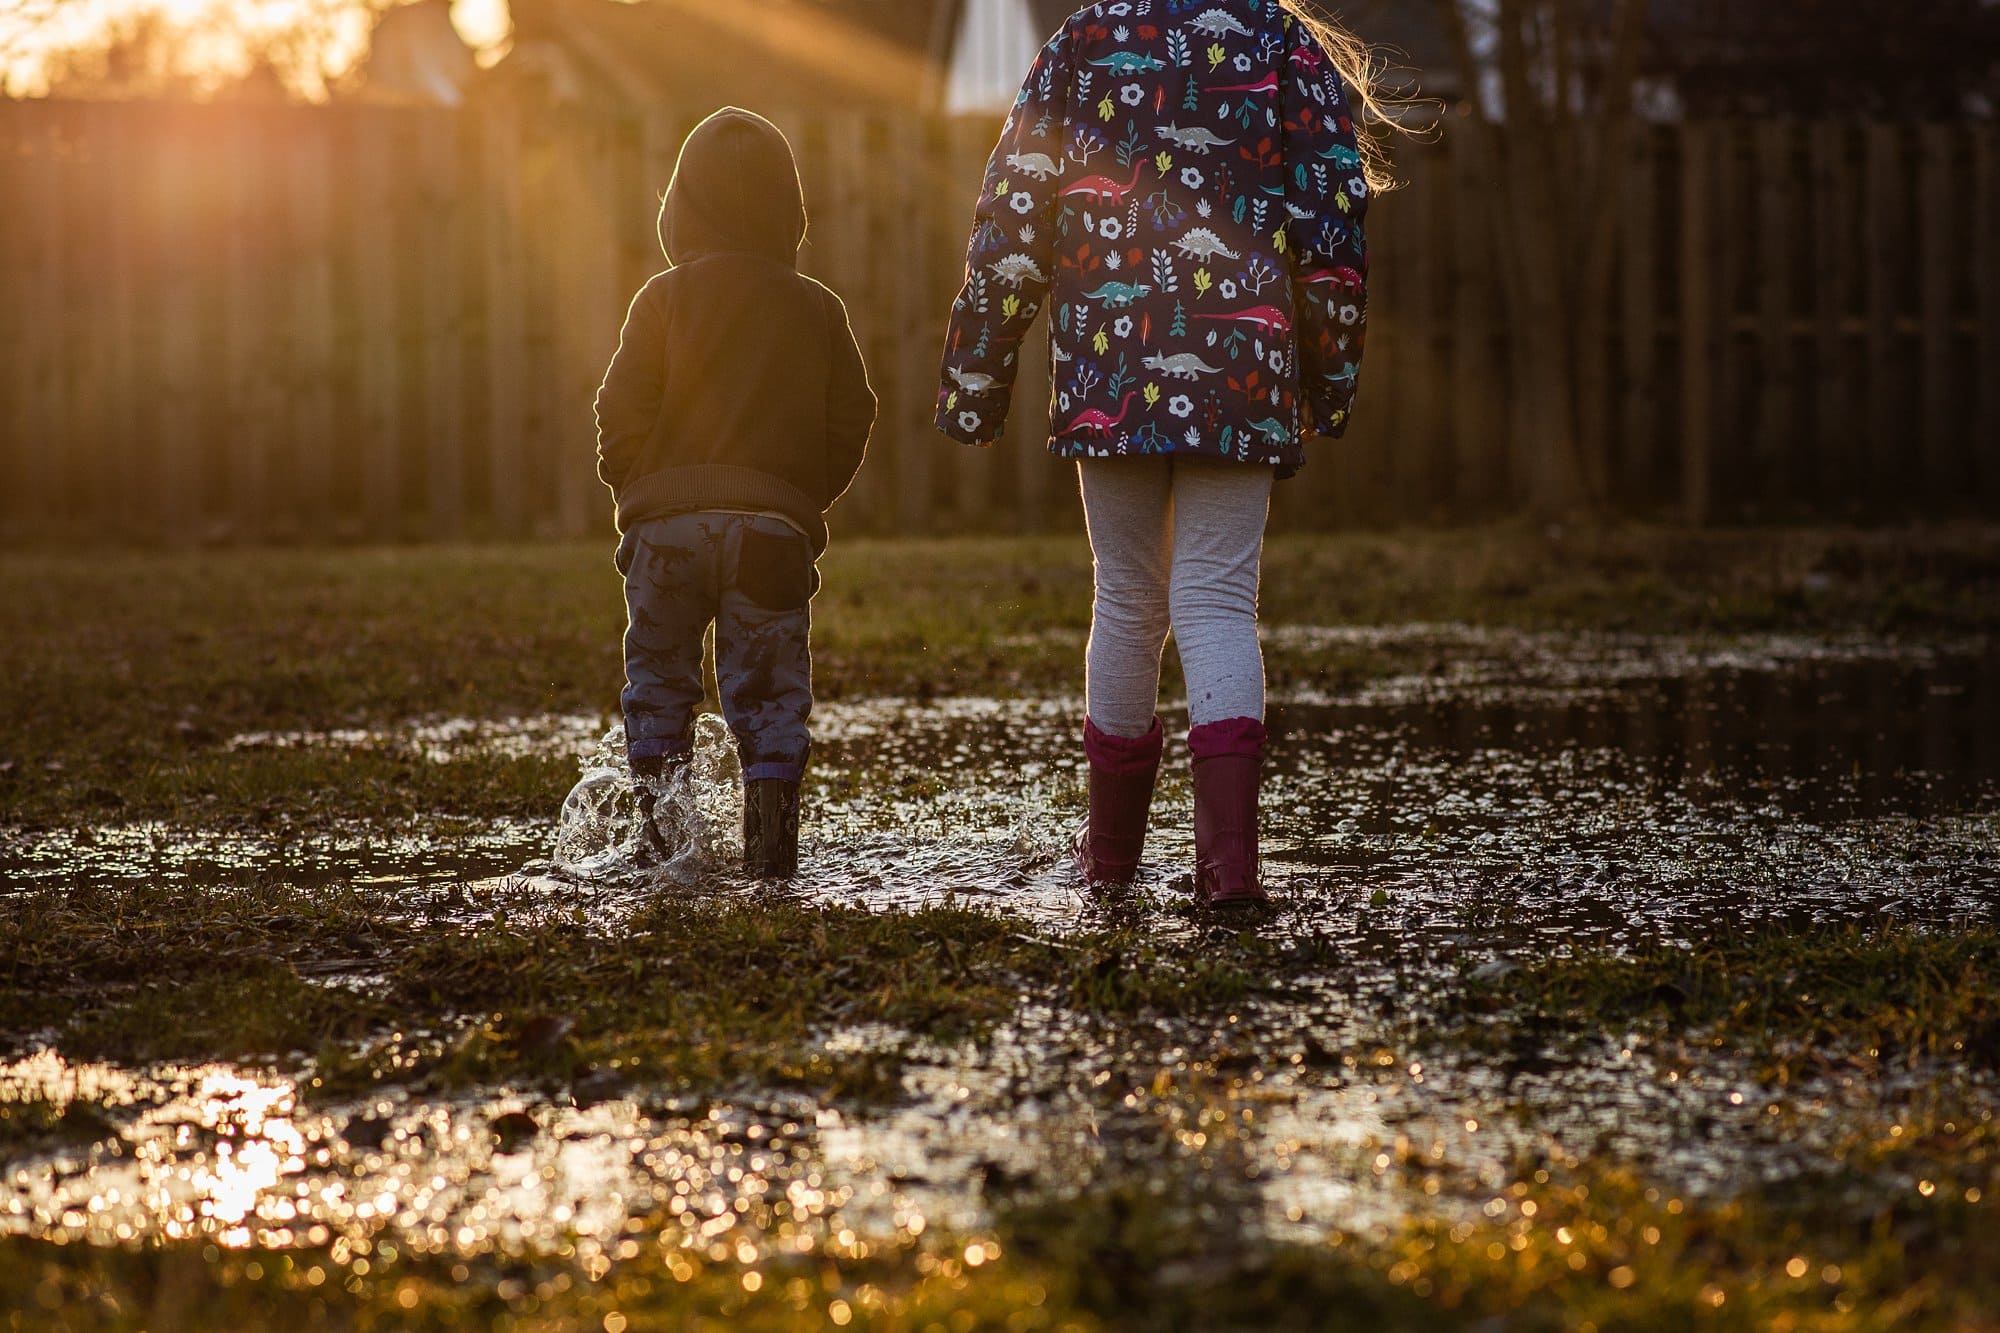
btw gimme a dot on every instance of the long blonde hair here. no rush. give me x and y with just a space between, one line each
1362 68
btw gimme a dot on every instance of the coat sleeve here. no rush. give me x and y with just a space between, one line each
850 403
1326 195
628 402
1011 254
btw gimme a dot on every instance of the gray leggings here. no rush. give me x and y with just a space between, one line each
1178 543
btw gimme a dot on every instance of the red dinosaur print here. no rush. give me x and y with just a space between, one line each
1346 278
1266 317
1102 188
1267 84
1094 421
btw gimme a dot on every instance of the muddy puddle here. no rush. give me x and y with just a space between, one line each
1459 816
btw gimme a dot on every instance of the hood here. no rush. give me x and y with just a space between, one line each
735 191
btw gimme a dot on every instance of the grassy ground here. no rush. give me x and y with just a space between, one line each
123 674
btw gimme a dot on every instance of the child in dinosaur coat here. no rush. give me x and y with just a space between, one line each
734 414
1182 185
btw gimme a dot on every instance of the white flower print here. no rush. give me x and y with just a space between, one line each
1181 405
1118 11
968 421
1277 359
1192 178
1358 188
1123 328
1110 229
1228 289
1062 400
1349 314
1243 64
1022 202
1131 94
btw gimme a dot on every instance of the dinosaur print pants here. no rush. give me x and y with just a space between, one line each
753 577
1178 543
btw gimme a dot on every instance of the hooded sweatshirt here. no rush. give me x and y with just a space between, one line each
1184 192
737 383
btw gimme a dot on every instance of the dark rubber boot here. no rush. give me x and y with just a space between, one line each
771 828
1228 771
654 772
1122 772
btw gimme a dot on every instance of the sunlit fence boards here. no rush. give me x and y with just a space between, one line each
335 323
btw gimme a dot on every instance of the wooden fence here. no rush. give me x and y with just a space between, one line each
233 322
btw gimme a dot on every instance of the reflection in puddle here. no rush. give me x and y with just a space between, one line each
1509 794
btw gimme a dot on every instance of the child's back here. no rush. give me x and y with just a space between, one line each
1187 189
734 414
737 381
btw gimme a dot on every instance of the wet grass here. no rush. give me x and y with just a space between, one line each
681 992
1574 1248
123 674
1885 996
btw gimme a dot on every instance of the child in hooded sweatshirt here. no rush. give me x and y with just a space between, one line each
735 412
1183 186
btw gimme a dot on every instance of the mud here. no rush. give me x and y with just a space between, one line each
1508 796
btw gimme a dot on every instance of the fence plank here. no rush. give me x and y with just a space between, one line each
443 240
1698 322
1777 211
1479 416
1830 203
1943 479
1986 335
36 208
505 327
1638 456
247 325
310 329
377 245
1886 238
177 440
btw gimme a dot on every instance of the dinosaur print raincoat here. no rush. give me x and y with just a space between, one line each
1180 182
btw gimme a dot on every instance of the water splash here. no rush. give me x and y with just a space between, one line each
697 811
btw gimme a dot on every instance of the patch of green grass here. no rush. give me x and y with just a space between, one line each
1793 999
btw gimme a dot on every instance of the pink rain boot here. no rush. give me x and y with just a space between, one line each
1122 771
1228 770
